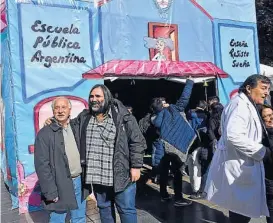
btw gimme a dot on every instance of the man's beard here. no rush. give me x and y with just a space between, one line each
98 110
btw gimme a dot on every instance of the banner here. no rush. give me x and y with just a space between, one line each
52 48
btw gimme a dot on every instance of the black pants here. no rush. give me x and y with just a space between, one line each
164 172
237 218
269 199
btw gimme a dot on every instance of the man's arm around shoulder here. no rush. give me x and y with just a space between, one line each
80 116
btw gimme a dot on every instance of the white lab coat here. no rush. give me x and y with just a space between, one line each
236 178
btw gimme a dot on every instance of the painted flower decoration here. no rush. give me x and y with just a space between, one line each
22 190
28 194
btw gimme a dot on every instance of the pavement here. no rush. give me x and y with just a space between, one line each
149 208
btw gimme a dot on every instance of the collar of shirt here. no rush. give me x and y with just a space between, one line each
58 124
66 128
105 116
109 114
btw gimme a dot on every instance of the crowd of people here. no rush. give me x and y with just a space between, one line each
225 151
183 141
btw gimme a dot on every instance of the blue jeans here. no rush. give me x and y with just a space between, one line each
78 215
124 201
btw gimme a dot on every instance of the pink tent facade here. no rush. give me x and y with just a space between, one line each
154 69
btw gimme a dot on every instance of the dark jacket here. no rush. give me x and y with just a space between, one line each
173 127
215 121
145 123
151 135
129 145
198 119
213 128
51 165
268 158
158 152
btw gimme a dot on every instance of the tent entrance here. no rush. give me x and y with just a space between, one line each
138 93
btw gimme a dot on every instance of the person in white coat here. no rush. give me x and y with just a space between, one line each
236 179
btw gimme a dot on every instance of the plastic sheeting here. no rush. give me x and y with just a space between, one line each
47 46
155 69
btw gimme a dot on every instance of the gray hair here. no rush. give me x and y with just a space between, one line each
60 97
151 42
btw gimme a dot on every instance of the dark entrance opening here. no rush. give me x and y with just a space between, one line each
139 93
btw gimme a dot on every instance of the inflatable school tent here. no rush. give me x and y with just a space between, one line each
51 48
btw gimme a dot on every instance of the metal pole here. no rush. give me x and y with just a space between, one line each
206 94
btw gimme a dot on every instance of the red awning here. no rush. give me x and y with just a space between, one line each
154 69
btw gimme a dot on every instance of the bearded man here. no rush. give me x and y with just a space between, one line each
111 151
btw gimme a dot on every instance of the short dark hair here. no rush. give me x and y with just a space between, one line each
156 105
108 97
202 104
217 106
262 107
162 99
214 98
252 81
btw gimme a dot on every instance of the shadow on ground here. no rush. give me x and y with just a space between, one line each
149 201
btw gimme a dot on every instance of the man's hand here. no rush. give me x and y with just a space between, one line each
190 78
48 122
135 174
55 200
